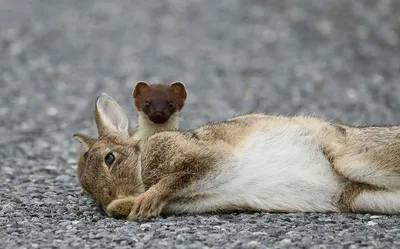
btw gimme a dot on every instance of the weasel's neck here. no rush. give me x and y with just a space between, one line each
146 128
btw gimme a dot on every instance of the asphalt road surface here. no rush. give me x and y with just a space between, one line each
337 59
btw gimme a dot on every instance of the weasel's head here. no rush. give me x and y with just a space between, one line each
159 101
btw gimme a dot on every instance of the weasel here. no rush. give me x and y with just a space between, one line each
158 107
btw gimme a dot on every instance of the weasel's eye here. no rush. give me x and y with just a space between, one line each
171 104
109 159
147 104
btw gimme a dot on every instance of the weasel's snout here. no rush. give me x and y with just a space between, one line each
159 117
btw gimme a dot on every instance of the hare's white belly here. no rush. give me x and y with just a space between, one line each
278 170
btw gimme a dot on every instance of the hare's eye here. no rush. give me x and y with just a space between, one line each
109 159
147 104
171 104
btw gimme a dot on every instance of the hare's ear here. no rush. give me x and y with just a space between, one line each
180 89
85 140
110 117
140 88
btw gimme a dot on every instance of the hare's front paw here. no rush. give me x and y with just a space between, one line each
146 205
120 207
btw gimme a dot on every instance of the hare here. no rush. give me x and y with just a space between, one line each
252 162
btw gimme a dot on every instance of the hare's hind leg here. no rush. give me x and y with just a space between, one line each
379 202
360 168
369 155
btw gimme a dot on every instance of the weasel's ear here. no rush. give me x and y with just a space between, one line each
180 89
110 117
85 140
140 88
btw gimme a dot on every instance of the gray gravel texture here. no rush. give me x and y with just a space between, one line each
337 59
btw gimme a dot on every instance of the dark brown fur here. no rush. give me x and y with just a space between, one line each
163 100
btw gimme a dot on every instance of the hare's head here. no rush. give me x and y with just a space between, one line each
109 165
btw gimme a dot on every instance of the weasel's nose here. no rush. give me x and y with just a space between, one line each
159 117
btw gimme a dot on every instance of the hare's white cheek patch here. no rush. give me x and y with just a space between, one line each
387 202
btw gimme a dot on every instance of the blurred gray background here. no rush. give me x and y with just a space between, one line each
335 59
